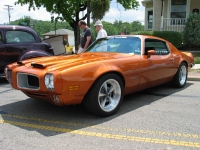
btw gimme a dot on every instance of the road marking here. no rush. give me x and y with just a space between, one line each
105 135
161 133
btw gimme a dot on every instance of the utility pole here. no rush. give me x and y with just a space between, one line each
8 8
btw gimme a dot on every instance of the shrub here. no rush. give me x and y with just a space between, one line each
64 42
191 33
174 37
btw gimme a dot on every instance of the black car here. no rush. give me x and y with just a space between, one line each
20 43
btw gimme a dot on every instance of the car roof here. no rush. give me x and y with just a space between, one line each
140 36
15 27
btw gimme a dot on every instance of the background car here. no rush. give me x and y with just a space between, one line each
20 43
100 77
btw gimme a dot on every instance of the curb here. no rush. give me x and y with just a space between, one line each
193 78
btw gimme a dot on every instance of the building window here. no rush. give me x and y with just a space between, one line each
150 19
178 8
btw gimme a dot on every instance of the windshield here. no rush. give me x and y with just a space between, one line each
117 44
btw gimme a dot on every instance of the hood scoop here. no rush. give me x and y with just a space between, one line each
20 63
34 65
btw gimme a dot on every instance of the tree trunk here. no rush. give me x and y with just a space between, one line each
77 37
76 29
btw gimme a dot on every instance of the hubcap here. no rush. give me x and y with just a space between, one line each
182 75
109 95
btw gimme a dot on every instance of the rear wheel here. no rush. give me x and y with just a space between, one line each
105 96
180 78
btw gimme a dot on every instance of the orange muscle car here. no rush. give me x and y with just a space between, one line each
100 77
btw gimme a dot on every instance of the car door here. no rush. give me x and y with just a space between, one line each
2 53
17 42
157 68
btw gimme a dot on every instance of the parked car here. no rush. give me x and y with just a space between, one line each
100 77
20 43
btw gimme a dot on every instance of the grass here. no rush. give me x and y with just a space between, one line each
196 57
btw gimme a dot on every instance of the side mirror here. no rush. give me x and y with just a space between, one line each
150 52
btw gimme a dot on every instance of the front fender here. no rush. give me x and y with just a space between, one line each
33 54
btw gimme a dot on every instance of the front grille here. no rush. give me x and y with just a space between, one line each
27 81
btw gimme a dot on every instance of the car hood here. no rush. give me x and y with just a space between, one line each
66 61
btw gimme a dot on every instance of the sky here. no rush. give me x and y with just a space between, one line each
116 12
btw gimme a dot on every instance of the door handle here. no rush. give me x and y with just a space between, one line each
172 59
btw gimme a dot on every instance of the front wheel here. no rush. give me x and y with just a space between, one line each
105 96
180 77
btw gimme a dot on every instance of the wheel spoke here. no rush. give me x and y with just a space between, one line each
103 102
110 99
102 94
111 89
105 86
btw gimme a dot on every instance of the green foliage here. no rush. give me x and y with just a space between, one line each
118 27
24 21
68 10
144 33
191 33
64 42
129 4
99 8
42 27
174 37
196 57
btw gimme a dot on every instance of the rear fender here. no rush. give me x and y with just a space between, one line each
189 58
33 54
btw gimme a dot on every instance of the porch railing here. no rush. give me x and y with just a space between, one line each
174 24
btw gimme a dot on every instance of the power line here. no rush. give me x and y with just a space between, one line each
9 8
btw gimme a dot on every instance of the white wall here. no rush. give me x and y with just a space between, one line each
71 40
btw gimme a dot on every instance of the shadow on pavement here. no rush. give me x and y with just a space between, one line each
34 112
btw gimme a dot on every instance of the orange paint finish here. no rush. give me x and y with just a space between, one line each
74 75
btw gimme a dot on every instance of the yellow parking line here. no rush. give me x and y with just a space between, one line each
161 133
105 135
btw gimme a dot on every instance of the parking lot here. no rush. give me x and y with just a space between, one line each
160 118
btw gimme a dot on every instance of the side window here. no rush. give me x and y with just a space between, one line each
157 45
130 45
19 36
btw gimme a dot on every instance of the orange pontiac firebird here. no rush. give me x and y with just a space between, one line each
100 77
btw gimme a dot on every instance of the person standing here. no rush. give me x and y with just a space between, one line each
86 36
99 28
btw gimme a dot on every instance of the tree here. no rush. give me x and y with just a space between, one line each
99 8
69 10
42 27
24 21
191 33
137 26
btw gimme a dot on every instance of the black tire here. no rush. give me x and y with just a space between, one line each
105 96
180 77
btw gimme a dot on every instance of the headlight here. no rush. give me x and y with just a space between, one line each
49 81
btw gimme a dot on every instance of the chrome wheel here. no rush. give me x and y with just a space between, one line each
105 96
183 75
109 95
180 77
